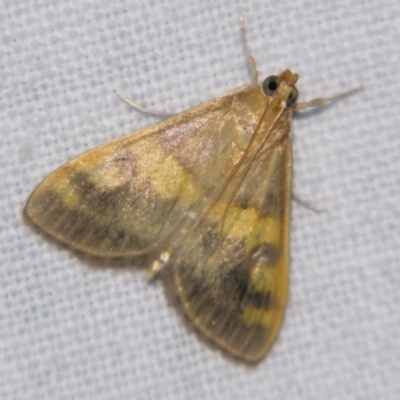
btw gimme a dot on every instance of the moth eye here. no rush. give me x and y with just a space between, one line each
271 84
292 97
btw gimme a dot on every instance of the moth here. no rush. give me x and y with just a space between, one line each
207 193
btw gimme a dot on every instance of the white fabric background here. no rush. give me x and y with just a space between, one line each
72 331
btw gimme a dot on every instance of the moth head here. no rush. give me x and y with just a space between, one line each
282 86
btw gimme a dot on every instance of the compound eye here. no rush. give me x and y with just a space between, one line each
292 97
271 84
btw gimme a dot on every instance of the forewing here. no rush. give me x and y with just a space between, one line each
231 273
138 192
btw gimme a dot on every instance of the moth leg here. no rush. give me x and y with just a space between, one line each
306 204
251 62
145 110
321 102
158 265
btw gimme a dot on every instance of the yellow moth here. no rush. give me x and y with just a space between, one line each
206 193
